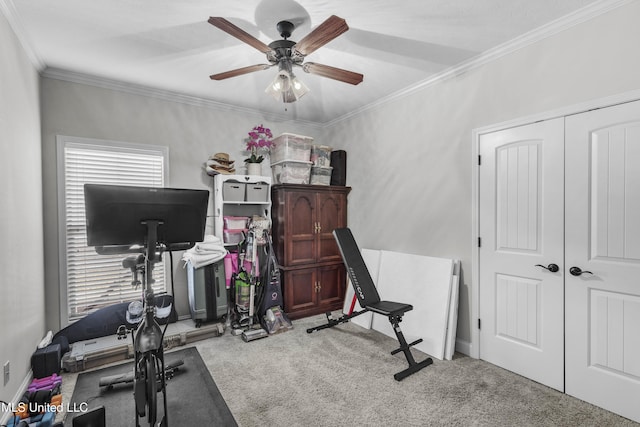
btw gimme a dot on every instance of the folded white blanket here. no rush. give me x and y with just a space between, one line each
207 252
200 260
207 247
210 243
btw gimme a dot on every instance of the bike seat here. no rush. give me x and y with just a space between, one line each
132 261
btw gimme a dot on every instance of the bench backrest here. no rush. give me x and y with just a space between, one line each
357 270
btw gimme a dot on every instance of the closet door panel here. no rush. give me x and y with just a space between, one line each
521 227
602 240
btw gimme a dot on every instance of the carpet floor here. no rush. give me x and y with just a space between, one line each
344 376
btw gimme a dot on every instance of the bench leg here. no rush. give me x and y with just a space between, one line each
406 349
331 322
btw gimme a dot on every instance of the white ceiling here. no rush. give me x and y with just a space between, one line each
169 45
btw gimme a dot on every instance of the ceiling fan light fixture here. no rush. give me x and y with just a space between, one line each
286 87
298 87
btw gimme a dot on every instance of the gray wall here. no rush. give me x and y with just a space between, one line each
192 134
409 160
21 263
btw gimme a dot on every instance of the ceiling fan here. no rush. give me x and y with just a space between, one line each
286 54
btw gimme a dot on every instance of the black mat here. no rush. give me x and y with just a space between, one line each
192 396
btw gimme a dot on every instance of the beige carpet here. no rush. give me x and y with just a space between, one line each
344 376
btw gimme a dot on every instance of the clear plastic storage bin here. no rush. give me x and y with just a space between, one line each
321 175
291 147
233 236
291 172
236 222
321 155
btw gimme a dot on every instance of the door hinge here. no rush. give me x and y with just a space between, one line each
478 323
479 242
479 160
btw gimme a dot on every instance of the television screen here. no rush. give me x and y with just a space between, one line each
116 215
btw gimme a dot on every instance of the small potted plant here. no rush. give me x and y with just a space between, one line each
259 140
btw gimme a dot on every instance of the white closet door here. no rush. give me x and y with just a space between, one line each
521 227
603 237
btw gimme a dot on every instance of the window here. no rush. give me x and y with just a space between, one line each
90 281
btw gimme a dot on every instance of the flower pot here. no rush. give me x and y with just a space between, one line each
254 168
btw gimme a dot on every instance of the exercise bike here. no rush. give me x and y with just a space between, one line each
149 373
149 370
147 221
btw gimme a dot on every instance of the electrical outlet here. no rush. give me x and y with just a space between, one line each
6 373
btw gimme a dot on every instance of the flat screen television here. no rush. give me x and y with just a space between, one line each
116 216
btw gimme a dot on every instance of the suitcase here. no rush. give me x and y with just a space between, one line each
207 292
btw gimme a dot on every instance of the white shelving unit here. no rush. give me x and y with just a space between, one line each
234 207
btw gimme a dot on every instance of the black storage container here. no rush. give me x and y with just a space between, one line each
46 361
339 165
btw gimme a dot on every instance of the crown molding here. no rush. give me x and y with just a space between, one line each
9 11
166 95
554 27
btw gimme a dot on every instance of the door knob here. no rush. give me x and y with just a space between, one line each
577 271
551 267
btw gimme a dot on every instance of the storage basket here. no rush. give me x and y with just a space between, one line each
289 146
233 191
291 172
257 192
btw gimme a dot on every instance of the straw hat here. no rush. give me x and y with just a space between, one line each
222 158
220 163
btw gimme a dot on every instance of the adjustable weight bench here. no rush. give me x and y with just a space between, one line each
369 299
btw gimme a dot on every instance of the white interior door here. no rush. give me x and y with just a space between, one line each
603 238
521 227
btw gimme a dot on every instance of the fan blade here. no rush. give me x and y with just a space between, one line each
321 35
333 73
239 71
238 33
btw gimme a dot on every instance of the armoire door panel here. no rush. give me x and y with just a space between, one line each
301 206
332 279
300 292
301 251
331 215
301 233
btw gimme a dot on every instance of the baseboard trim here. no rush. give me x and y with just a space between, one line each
6 416
463 347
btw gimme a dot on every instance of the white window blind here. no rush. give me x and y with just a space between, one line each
94 281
